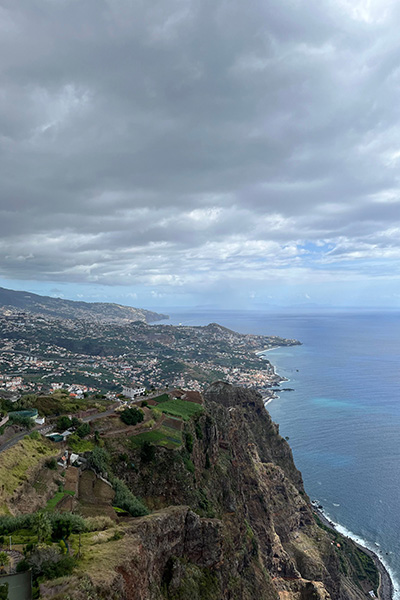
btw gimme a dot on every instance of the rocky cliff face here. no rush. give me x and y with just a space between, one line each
246 530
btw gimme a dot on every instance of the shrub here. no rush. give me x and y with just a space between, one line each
99 460
132 416
51 463
22 566
35 435
189 442
65 524
126 500
83 430
20 420
63 423
144 403
98 523
8 523
199 431
157 414
147 452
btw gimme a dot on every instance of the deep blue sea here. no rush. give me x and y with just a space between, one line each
343 417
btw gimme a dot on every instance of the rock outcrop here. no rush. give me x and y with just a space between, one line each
236 524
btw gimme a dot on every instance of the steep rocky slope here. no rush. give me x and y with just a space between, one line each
232 521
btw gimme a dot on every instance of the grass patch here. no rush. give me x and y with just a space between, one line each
164 436
80 446
162 398
18 462
52 503
180 408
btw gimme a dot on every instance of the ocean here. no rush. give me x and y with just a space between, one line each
343 417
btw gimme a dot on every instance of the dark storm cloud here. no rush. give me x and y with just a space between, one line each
156 142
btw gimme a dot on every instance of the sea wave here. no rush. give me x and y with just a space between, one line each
371 546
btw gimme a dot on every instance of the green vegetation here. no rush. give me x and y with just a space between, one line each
51 463
180 408
42 526
126 500
63 423
18 461
78 445
194 582
132 416
21 420
4 591
164 436
4 560
99 460
352 559
162 398
83 430
52 503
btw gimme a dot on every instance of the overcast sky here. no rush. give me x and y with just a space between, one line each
201 152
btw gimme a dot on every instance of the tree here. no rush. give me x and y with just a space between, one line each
83 430
43 526
132 416
99 460
63 423
147 452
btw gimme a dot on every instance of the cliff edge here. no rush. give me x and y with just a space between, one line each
230 520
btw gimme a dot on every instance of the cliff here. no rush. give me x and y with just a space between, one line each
231 521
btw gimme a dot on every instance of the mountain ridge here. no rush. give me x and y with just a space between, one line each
73 309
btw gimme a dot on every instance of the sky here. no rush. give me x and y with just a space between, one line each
201 152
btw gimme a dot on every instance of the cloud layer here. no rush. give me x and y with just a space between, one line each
180 144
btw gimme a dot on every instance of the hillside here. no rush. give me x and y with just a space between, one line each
229 519
70 309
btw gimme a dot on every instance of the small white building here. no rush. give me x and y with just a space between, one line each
133 392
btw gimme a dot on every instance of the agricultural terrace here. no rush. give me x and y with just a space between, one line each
167 431
180 408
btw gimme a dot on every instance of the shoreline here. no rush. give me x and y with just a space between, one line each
386 586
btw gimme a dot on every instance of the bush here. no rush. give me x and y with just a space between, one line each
99 460
132 416
35 435
157 414
144 403
4 591
8 523
98 523
22 566
83 430
65 524
189 442
126 500
63 423
20 420
51 463
147 452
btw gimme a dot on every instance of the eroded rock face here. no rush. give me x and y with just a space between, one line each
247 531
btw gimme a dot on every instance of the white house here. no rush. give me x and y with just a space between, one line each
133 392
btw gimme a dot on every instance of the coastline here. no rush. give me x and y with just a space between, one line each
386 587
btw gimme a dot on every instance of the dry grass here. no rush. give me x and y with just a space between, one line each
18 463
101 555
